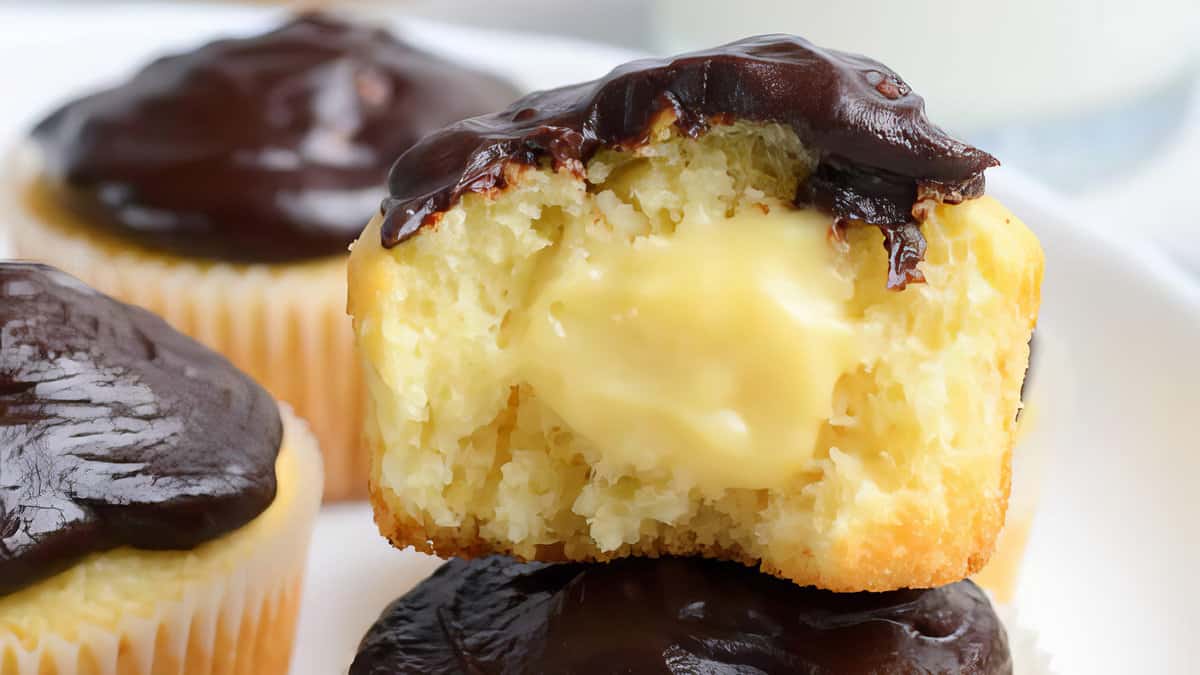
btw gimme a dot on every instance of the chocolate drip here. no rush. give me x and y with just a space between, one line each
879 156
673 615
117 431
265 149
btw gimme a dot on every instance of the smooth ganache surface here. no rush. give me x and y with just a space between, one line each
674 615
264 149
879 157
115 430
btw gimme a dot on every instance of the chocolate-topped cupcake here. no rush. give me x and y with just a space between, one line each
221 188
674 615
155 502
747 303
730 342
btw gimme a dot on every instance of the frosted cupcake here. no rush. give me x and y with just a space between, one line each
155 503
747 303
221 187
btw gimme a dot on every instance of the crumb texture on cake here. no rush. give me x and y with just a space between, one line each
906 478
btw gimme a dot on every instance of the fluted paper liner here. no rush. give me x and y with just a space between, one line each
240 621
284 324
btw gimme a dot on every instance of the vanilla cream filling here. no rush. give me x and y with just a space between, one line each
712 353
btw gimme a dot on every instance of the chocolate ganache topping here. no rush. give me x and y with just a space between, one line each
674 615
115 430
265 149
879 156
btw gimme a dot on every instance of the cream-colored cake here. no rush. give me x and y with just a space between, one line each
669 356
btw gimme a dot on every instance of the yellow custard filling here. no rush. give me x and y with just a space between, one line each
712 353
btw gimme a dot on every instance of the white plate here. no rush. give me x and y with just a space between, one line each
1107 580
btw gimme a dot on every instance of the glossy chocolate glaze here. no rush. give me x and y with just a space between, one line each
673 615
117 431
878 153
270 148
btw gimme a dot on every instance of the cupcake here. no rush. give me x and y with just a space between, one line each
155 503
221 187
746 303
674 615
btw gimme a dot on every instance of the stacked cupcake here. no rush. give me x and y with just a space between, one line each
744 308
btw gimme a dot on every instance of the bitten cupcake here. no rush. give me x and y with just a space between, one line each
746 303
221 187
155 503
